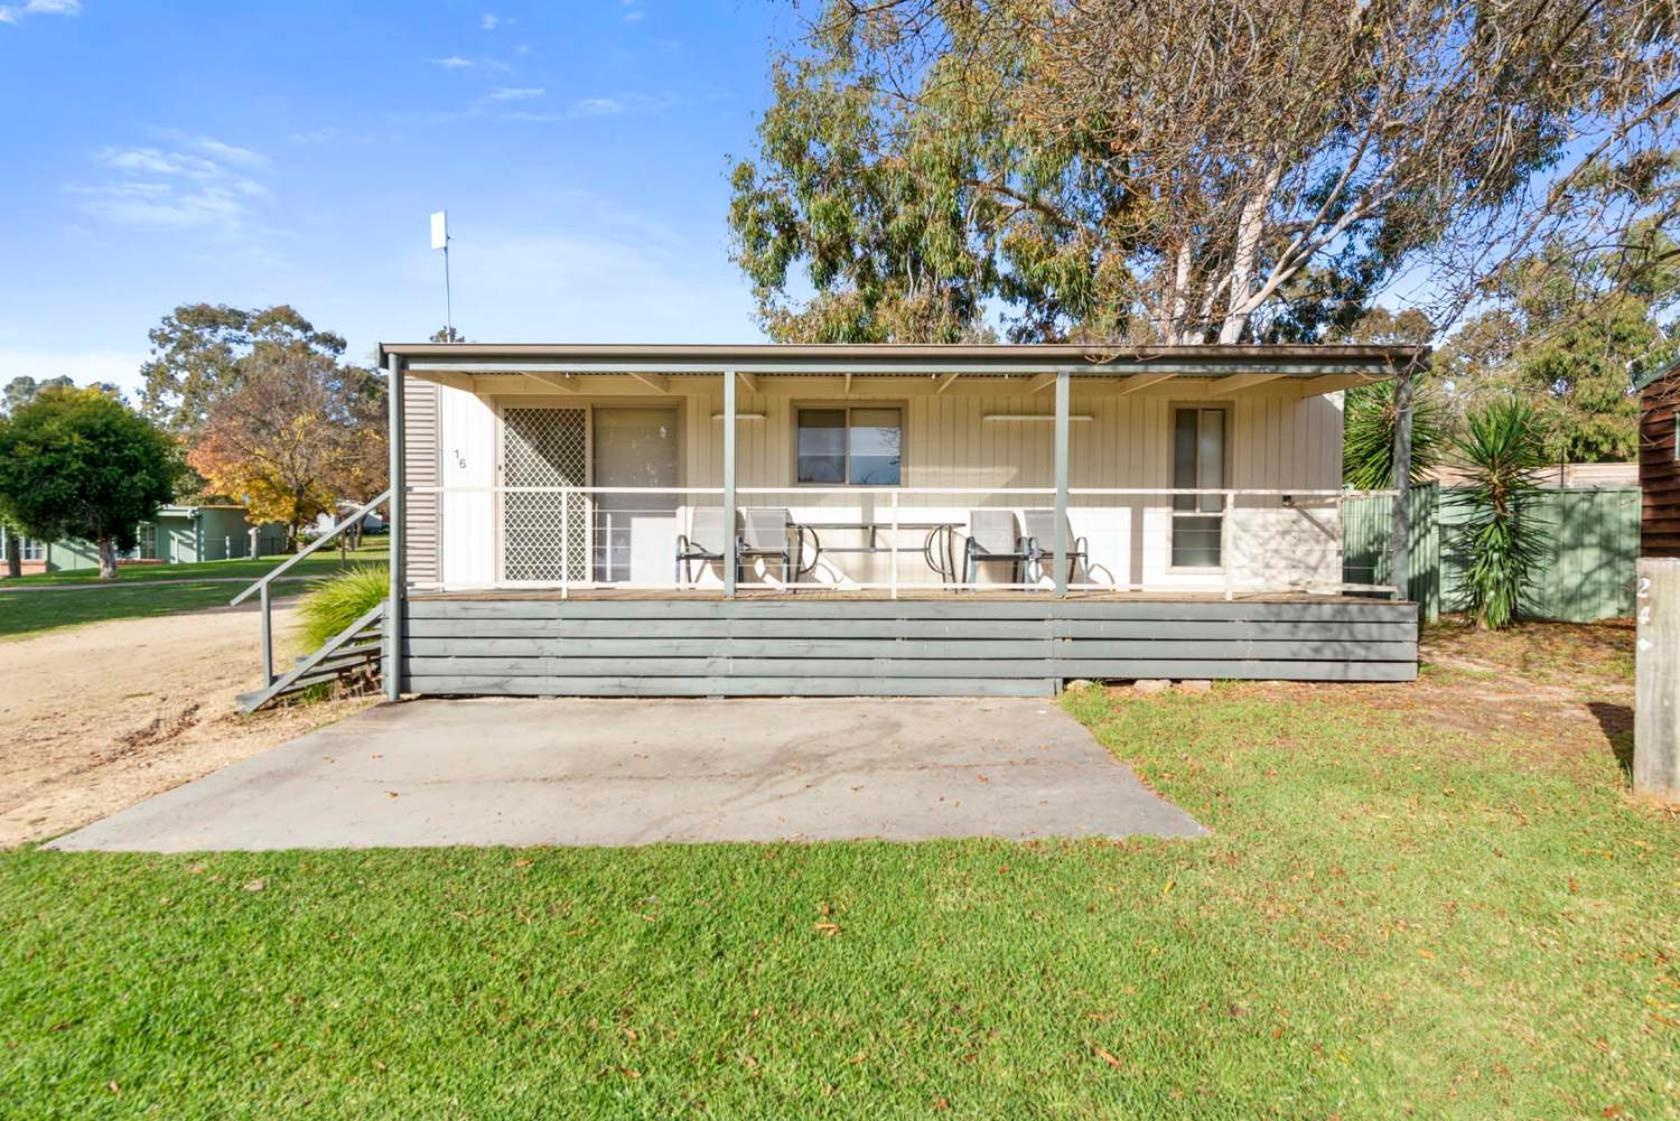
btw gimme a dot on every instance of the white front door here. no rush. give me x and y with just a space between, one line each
467 472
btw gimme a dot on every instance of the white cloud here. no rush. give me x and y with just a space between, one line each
489 21
14 13
452 62
587 107
175 189
516 94
229 153
634 16
598 107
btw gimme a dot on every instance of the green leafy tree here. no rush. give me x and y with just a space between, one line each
1567 338
19 392
22 389
1503 537
75 463
1179 171
201 352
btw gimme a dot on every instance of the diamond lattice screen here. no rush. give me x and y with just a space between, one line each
545 448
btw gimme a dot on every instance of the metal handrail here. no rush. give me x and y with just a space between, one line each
261 586
348 521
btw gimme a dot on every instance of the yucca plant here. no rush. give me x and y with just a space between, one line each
340 600
1370 418
1503 449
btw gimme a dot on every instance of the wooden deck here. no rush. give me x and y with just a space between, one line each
649 643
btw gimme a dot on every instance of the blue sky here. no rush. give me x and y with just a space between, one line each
156 154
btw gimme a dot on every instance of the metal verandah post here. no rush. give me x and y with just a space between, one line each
391 671
1400 528
729 545
1063 390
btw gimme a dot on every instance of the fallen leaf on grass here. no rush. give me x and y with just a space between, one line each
255 885
1108 1057
828 928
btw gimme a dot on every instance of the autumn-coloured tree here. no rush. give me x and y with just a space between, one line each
300 433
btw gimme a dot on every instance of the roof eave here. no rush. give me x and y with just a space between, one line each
771 359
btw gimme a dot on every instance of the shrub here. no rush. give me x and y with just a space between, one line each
1372 415
337 602
1503 446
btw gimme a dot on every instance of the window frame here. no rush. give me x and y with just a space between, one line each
31 550
849 407
1173 513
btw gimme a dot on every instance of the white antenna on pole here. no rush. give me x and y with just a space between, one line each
440 240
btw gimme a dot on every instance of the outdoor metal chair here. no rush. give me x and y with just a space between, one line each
767 533
1041 542
704 541
993 536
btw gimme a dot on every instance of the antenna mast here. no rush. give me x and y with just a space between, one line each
440 240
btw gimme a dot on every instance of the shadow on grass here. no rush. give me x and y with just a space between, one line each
1616 722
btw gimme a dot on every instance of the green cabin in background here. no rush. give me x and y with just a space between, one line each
177 535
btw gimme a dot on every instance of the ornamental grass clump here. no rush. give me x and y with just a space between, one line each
337 602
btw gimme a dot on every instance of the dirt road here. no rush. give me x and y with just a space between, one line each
96 718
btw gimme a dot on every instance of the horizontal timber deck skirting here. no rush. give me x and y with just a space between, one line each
976 646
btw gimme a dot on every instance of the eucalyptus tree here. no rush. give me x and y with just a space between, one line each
1188 171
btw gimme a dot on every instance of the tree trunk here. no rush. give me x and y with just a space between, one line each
107 559
14 555
1250 226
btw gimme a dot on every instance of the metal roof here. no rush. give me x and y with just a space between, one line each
865 359
1654 375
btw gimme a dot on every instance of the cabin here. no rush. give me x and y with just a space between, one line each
176 534
1659 462
630 520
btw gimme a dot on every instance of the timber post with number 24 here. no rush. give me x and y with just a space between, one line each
1656 705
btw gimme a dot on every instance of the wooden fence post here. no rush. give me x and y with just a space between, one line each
1656 705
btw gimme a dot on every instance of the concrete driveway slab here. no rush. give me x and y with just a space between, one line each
631 772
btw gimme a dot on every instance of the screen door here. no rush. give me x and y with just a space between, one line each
635 534
545 536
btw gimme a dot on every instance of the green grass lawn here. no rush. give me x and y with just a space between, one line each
1409 906
149 590
324 561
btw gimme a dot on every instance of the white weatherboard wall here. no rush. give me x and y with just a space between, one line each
467 449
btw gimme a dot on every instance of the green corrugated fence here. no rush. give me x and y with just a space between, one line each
1594 544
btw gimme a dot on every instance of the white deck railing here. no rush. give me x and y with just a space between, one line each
908 539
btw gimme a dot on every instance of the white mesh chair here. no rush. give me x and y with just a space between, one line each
1041 542
703 542
993 536
767 534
